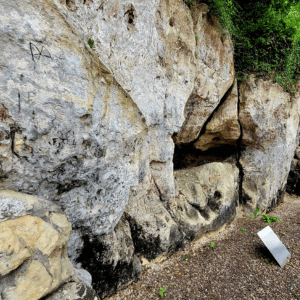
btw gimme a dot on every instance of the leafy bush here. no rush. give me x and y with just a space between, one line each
269 219
266 36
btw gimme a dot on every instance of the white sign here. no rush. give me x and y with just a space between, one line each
275 246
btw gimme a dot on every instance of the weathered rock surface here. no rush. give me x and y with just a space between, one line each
74 289
153 229
206 197
214 74
93 131
69 132
293 181
224 127
270 120
33 247
111 259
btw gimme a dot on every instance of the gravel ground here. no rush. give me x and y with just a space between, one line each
237 267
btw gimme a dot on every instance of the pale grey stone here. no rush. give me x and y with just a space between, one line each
270 122
83 275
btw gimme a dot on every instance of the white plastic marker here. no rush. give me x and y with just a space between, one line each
275 246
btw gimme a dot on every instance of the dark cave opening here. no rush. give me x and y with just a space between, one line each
186 156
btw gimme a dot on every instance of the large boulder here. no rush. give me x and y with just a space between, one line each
33 247
270 120
206 197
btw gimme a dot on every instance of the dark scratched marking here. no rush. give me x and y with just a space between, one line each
36 53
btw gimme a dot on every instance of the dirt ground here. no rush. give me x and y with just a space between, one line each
237 267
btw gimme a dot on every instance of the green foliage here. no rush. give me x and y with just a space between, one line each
91 43
266 37
161 292
256 212
186 256
212 244
269 219
243 230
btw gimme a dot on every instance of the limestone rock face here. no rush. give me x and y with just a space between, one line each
69 132
33 247
93 130
270 120
154 231
111 259
206 197
214 74
224 127
149 46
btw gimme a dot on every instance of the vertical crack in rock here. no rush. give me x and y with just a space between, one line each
13 131
215 110
242 200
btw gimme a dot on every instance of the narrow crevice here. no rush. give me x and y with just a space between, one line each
13 131
202 131
240 148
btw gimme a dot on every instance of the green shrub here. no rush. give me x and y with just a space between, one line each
266 36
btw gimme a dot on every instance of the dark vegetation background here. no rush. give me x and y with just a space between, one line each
266 37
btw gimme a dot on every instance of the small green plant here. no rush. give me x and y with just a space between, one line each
266 261
250 217
171 286
197 37
212 244
260 254
91 43
295 294
256 212
161 292
186 256
243 230
269 219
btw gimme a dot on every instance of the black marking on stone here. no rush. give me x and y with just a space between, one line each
40 53
19 96
13 131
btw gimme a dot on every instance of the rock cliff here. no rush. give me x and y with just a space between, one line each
141 137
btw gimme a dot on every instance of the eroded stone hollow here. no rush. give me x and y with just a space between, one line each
186 156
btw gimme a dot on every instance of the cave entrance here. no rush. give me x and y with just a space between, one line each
187 156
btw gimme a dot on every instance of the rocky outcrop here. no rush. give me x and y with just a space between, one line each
33 247
270 120
206 198
224 127
92 128
214 74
